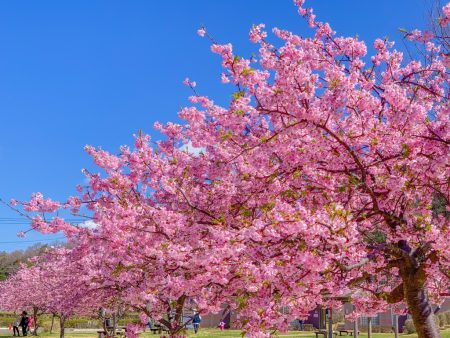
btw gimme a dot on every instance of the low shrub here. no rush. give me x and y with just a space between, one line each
409 326
442 320
386 329
438 320
309 327
447 317
76 322
7 319
377 329
82 323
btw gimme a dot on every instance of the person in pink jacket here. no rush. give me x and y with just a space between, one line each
30 323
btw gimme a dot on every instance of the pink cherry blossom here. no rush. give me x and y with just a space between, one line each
324 178
201 31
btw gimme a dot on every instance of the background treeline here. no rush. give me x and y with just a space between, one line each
10 261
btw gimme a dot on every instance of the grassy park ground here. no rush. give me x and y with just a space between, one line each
215 333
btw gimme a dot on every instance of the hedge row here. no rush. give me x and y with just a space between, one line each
77 322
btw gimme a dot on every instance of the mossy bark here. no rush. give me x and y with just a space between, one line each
418 303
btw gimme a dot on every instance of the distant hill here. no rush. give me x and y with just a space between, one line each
10 261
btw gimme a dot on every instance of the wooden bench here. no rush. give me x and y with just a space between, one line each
341 329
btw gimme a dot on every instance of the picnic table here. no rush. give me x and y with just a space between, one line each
158 328
347 332
350 332
103 333
324 333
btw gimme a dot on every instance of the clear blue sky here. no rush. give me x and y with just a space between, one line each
94 72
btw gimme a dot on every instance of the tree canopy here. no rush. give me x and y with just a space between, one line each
325 178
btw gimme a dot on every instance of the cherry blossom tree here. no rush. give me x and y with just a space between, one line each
71 289
54 283
23 291
330 139
145 251
318 182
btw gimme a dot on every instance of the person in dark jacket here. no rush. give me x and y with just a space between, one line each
24 323
301 323
196 321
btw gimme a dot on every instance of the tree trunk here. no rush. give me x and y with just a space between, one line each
355 326
35 321
418 304
104 325
62 327
175 324
114 322
53 321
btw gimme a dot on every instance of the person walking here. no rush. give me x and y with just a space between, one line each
16 325
301 322
24 323
30 324
150 324
196 321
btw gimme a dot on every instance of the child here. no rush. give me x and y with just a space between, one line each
222 325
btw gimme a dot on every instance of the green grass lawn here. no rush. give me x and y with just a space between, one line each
206 333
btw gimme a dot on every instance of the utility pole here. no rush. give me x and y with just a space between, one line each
395 318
